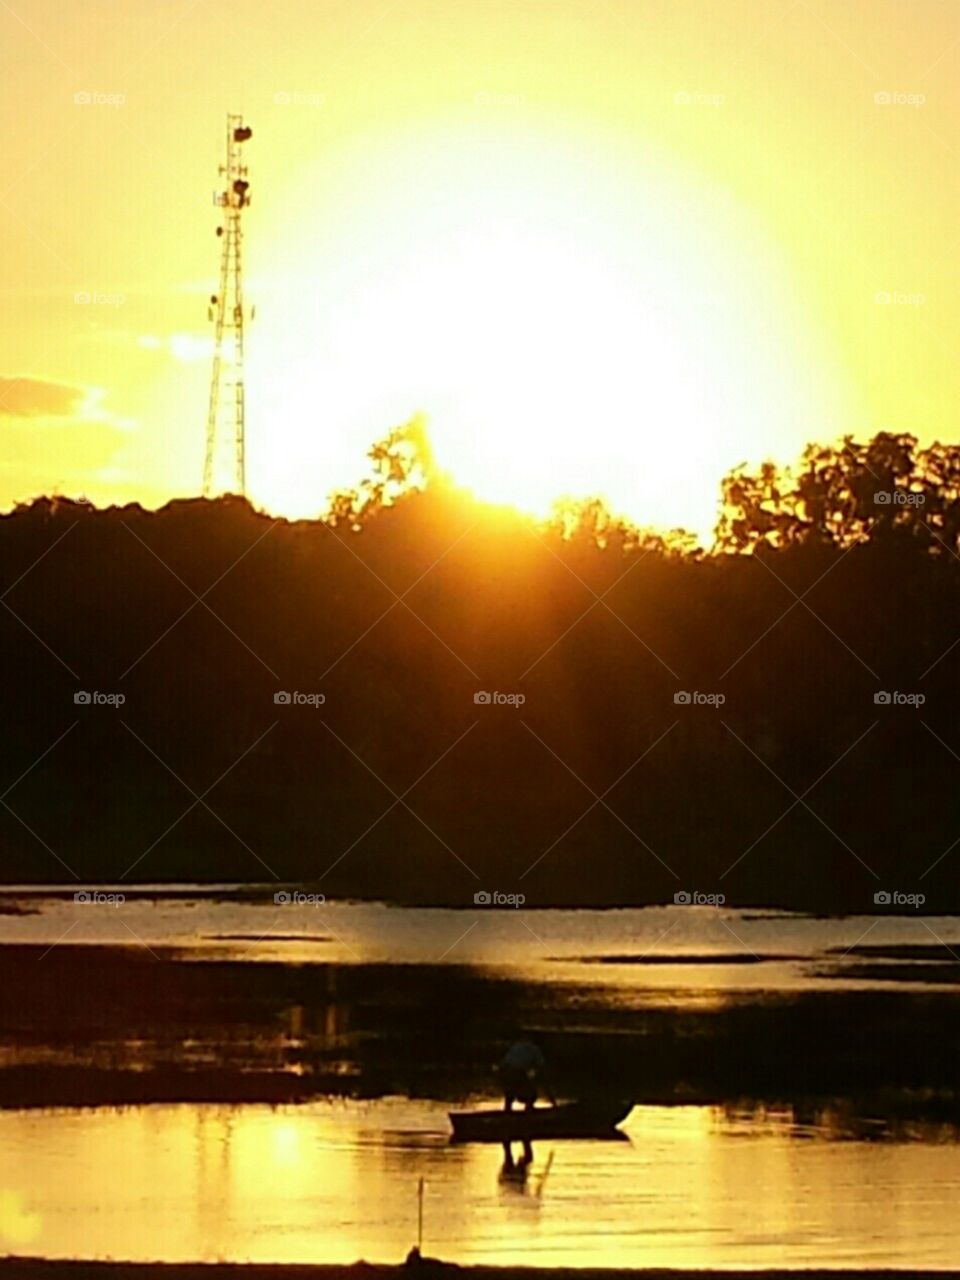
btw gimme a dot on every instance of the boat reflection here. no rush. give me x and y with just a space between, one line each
338 1180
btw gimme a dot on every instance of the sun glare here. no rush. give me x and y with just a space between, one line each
572 322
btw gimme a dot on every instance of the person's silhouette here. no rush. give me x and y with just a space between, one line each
521 1071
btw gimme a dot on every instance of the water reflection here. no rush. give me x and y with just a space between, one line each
671 950
176 1030
339 1180
517 1174
868 1178
515 1168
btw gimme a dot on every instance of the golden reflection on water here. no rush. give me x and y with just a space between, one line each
337 1181
19 1226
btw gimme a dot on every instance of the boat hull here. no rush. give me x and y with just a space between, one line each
570 1120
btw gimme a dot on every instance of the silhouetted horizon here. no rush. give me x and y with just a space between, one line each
508 673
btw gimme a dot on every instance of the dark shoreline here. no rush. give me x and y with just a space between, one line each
14 1268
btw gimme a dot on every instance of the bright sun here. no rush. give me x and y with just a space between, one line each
571 322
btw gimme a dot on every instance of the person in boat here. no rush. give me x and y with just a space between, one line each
521 1074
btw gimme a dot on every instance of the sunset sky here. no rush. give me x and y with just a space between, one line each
611 246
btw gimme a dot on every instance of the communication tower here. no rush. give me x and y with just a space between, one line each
224 468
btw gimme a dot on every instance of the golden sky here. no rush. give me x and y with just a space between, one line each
611 246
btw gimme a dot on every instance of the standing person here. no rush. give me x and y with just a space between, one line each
521 1072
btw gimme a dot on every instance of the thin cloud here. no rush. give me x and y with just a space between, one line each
38 398
187 347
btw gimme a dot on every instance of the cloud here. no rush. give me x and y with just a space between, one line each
56 438
38 398
182 346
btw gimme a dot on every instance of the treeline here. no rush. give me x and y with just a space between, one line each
780 780
886 491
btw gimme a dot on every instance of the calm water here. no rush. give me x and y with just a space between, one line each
196 995
782 951
329 1182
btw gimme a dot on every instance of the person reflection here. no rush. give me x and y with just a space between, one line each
513 1173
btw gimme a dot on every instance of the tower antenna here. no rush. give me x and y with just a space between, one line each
224 468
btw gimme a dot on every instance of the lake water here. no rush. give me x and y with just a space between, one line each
334 1181
740 949
847 1029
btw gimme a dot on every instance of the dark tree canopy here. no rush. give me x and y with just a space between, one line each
411 599
887 489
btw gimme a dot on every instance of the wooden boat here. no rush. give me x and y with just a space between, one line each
592 1119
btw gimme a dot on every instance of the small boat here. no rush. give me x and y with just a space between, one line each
592 1119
